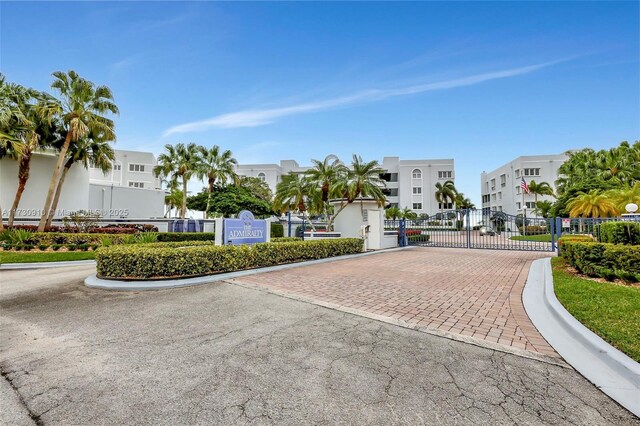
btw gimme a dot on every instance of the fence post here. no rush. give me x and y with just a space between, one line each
553 234
402 233
468 219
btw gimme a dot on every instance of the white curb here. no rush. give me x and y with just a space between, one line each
43 265
95 282
610 370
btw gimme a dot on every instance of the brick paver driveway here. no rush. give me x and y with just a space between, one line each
475 293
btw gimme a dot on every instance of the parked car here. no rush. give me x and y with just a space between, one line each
487 230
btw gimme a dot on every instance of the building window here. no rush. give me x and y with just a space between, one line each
493 184
417 190
416 174
136 184
486 198
443 206
499 195
518 205
532 172
390 192
530 204
518 189
117 167
503 180
417 206
517 172
499 208
493 197
445 174
389 177
262 177
136 167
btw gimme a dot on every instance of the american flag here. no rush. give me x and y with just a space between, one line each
524 186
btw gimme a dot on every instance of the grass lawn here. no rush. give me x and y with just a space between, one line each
542 238
611 311
47 256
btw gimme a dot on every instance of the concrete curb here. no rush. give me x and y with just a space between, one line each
610 370
95 282
44 265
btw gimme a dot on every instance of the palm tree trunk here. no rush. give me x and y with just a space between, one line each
183 211
23 176
1 220
210 191
54 182
56 197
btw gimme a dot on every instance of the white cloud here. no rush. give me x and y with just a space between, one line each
260 117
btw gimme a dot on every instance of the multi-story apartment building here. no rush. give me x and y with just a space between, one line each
129 191
409 183
501 189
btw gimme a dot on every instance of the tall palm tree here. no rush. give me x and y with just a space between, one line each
445 193
463 202
294 192
215 165
541 188
325 174
179 163
592 204
82 107
543 208
88 151
361 180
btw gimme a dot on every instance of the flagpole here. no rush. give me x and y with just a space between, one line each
524 208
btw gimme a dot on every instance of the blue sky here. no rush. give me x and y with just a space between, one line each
480 82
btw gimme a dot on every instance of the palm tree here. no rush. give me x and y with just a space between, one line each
361 180
82 109
544 208
326 174
445 193
542 188
215 166
463 202
88 151
172 200
392 213
179 163
592 204
622 197
294 192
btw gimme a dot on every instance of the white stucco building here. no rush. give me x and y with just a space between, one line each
410 183
129 191
501 189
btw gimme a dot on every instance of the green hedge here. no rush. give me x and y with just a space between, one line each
576 238
277 230
50 238
285 239
188 260
604 260
186 236
620 232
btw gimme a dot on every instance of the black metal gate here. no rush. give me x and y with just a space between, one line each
482 229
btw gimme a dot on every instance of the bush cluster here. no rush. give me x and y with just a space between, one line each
122 228
285 239
418 238
620 232
533 230
608 261
575 238
186 236
162 261
277 230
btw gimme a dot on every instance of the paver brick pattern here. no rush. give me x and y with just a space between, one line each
476 293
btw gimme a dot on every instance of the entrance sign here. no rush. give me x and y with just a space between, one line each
566 223
244 230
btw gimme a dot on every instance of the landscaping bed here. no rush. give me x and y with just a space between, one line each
192 259
44 256
611 310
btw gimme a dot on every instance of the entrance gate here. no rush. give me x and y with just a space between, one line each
481 229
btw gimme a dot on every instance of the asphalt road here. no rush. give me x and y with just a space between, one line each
219 353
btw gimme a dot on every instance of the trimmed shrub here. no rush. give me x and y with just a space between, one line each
171 260
604 260
50 238
277 230
576 238
533 230
620 232
186 236
285 239
418 238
